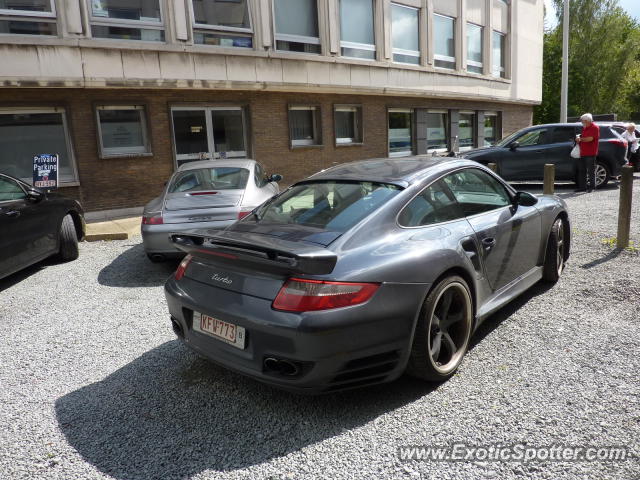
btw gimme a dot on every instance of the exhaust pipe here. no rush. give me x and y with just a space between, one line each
283 367
177 327
157 257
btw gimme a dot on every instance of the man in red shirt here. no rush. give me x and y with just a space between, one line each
586 164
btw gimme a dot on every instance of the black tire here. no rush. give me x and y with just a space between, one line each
602 178
451 300
68 240
554 259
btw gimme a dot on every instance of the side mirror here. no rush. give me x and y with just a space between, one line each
34 195
514 146
524 199
276 177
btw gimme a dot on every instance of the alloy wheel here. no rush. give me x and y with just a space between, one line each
601 175
450 327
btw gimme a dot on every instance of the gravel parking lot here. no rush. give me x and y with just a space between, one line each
94 385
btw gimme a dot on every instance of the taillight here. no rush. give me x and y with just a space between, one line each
156 220
182 267
618 141
243 214
300 295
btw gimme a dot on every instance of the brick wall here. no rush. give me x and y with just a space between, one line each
131 182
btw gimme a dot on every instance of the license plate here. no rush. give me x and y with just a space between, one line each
227 332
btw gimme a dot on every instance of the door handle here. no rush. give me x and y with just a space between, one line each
488 243
539 151
12 213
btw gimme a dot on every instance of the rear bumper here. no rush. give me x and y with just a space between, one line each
335 350
157 238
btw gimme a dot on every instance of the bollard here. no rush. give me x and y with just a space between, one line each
493 166
624 211
549 179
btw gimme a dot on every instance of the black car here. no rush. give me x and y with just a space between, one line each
35 225
522 155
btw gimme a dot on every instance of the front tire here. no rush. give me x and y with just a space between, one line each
554 261
602 174
443 330
68 240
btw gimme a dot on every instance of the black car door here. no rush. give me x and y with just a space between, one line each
525 158
558 151
509 237
23 236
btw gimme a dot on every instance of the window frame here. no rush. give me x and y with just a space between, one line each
290 38
316 141
356 45
501 69
470 62
116 152
447 131
406 153
126 23
399 51
222 28
445 58
474 130
7 178
30 13
507 188
358 127
498 127
7 14
75 180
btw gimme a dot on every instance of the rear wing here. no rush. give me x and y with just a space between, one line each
257 252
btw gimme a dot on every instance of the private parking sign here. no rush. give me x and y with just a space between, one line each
45 171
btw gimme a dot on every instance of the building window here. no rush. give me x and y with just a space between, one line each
492 131
28 17
498 67
357 39
131 20
122 130
467 131
437 131
297 26
201 133
348 124
30 132
222 23
400 132
444 41
474 48
405 34
304 125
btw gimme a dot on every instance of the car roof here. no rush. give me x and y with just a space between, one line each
402 171
240 163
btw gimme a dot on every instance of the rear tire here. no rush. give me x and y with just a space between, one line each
443 330
554 259
68 240
603 173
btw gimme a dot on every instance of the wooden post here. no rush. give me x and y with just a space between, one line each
624 211
549 179
493 166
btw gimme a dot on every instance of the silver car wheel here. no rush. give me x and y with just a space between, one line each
601 175
560 247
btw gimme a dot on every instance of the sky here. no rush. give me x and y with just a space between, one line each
631 6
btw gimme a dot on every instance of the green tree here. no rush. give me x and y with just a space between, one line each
603 45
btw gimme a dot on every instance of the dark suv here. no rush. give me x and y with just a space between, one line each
522 155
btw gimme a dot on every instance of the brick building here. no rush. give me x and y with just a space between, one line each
126 91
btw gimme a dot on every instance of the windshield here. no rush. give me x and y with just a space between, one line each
218 178
332 206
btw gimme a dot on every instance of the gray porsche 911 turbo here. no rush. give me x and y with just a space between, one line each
364 271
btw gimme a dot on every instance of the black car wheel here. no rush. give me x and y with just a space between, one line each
443 330
68 240
602 174
556 254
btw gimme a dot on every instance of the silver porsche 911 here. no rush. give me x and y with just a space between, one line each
210 194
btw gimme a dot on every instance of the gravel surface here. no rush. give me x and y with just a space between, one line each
94 385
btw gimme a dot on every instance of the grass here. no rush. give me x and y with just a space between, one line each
613 243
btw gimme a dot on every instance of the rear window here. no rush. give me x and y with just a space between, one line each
218 178
331 206
608 132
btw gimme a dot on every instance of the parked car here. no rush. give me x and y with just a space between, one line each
363 271
522 155
35 225
208 194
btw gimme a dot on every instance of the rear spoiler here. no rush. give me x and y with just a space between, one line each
257 251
